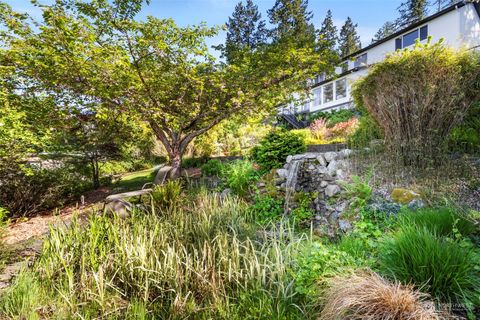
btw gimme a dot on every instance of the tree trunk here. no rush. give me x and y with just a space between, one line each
95 173
175 158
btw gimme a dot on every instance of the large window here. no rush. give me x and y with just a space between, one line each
317 97
328 93
341 88
361 60
410 38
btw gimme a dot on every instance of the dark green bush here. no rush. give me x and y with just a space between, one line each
194 162
272 151
26 190
212 167
434 264
444 221
266 208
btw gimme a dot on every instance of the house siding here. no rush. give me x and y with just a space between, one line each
459 28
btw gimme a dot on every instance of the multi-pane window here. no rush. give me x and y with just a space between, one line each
360 60
341 88
410 38
328 93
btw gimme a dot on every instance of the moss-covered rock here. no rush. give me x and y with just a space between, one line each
404 196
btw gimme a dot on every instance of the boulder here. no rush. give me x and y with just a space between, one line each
282 173
404 196
346 153
332 190
332 168
344 225
225 194
321 160
289 159
323 184
330 156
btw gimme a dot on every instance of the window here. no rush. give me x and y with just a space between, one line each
398 43
341 88
423 33
344 67
360 61
317 96
328 93
410 38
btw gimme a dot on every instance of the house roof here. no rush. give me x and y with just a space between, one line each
414 25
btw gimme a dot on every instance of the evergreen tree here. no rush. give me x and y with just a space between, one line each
442 4
328 36
245 30
412 11
349 40
385 30
292 21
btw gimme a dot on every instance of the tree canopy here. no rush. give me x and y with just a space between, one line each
91 54
349 40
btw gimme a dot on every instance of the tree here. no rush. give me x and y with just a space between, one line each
292 21
328 36
349 39
412 11
91 54
385 30
442 4
245 30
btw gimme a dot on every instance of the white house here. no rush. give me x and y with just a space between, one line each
458 25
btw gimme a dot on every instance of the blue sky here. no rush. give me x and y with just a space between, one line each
368 14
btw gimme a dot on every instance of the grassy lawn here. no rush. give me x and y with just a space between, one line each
136 180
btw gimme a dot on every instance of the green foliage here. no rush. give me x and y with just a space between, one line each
318 262
203 254
443 221
446 269
402 92
167 197
239 176
23 298
266 209
303 211
466 136
368 130
212 167
194 162
272 151
359 190
333 117
28 190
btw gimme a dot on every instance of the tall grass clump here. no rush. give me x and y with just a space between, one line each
434 264
444 221
205 262
366 295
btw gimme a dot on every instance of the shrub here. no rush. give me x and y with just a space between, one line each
239 176
359 190
212 167
318 262
166 197
367 130
266 209
366 295
417 96
192 162
25 190
433 264
272 151
333 117
343 129
444 221
318 128
466 136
